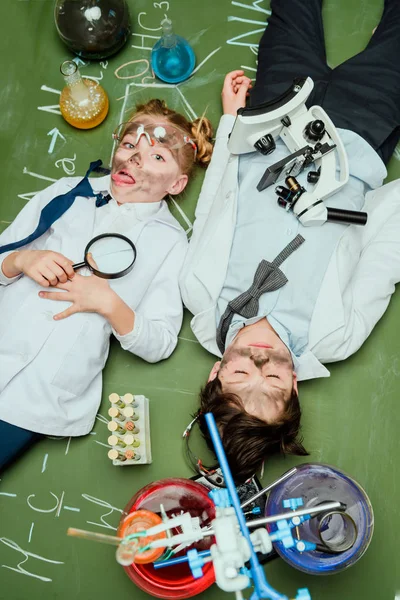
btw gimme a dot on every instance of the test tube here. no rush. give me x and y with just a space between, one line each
114 427
130 399
130 426
116 455
116 400
128 412
128 439
116 414
133 455
114 440
132 441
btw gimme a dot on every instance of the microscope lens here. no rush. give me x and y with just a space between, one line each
283 192
292 184
282 202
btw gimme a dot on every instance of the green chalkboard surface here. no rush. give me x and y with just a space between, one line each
350 420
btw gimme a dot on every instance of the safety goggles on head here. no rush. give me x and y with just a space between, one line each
212 473
160 134
195 462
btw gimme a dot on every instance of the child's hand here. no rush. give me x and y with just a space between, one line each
234 92
87 294
44 266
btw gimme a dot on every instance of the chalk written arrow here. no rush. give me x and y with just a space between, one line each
55 134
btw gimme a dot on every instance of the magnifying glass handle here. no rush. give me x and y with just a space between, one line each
79 265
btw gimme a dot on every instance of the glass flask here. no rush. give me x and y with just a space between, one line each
83 102
177 495
172 57
93 29
317 483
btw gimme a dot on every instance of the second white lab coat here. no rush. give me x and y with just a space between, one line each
357 285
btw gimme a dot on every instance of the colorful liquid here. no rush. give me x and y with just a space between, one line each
176 495
173 64
84 105
97 38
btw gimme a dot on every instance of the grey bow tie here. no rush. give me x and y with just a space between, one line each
268 278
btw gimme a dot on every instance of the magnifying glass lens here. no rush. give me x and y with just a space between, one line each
111 255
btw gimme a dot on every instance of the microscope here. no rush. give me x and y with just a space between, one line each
312 139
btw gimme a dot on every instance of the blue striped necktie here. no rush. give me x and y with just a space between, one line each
58 206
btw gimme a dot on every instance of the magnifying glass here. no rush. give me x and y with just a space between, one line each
113 253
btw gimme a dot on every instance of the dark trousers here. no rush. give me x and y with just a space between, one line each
14 441
361 94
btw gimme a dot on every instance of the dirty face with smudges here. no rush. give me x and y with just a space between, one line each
142 172
258 367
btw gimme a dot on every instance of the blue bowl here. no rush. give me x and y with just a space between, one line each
316 483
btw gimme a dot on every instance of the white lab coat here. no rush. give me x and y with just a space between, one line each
357 285
51 372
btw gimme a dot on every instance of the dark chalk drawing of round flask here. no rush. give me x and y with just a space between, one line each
93 29
172 57
83 102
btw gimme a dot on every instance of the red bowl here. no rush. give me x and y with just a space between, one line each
177 495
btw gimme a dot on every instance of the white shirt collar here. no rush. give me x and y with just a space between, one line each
142 210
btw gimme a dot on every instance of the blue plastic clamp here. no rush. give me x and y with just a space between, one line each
308 546
293 503
283 534
220 497
196 563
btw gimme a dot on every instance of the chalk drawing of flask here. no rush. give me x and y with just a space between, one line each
172 57
83 102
